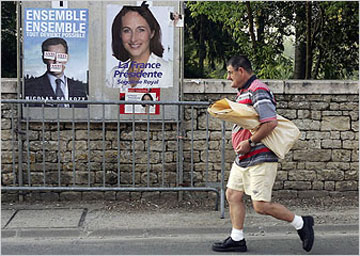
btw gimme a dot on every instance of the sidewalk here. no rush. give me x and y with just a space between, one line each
119 219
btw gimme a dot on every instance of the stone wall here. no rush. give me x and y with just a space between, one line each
325 159
323 162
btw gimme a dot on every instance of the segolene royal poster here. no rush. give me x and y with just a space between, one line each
141 94
140 42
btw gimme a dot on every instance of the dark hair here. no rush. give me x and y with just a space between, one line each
240 61
54 41
119 52
142 98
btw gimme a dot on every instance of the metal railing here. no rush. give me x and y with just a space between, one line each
44 158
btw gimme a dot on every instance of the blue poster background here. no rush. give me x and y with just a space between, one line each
69 24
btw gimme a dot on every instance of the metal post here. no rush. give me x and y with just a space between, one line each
73 140
89 147
13 144
133 144
28 146
148 150
192 148
181 97
207 150
163 145
222 191
59 155
19 90
103 145
179 159
118 145
43 142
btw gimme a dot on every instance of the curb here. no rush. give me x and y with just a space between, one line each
41 232
161 232
251 231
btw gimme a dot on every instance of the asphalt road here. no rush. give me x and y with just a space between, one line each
196 244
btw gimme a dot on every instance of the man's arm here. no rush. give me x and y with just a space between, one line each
264 130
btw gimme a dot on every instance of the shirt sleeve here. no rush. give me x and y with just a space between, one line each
264 104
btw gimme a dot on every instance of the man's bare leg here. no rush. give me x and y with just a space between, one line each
304 225
236 242
236 208
275 210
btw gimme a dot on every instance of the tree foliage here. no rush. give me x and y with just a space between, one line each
336 45
8 39
326 38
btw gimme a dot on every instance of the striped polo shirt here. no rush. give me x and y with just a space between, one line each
257 94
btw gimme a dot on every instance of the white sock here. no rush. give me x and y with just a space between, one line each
237 234
297 222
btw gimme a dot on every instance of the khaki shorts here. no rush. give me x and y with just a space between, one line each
256 181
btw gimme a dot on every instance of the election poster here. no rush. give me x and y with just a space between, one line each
56 55
140 94
139 47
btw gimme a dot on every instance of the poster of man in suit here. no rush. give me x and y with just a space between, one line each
56 55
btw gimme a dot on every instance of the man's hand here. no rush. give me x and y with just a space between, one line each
243 147
264 130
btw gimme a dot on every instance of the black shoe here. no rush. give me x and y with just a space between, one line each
229 245
307 233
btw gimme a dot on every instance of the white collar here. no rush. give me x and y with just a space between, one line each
53 78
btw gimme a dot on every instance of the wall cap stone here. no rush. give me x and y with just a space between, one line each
321 87
223 86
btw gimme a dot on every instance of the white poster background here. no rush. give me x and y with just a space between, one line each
78 61
162 15
139 109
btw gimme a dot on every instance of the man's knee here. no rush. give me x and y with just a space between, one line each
260 207
234 196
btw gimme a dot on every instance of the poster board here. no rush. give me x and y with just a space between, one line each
140 94
91 61
56 49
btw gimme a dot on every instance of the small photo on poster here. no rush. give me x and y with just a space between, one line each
139 47
56 56
138 94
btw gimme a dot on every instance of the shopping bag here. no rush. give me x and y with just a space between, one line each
279 141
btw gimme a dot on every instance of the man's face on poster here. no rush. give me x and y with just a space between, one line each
55 59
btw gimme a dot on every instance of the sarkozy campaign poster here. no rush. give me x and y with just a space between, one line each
56 54
139 47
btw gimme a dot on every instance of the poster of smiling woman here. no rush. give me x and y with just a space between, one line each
56 55
139 47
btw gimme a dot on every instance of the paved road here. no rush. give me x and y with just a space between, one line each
197 244
89 229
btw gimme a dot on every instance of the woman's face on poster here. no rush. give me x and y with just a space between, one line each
147 97
136 35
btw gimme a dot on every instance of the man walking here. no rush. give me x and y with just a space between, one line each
255 167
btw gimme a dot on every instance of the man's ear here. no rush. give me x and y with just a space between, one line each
44 61
241 69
